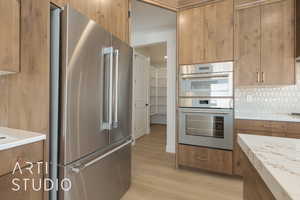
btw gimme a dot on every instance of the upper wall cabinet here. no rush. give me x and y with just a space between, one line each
9 36
59 3
111 14
265 49
206 33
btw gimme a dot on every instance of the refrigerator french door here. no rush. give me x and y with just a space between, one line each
94 110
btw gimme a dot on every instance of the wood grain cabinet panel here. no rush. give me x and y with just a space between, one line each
22 154
205 158
10 36
191 40
6 185
119 19
277 47
60 3
247 46
264 128
265 49
254 186
206 33
218 31
293 130
111 14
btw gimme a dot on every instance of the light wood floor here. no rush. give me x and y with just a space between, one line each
155 176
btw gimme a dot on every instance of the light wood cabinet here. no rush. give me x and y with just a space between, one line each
205 158
298 30
265 50
206 33
6 185
111 14
277 44
22 154
32 153
60 3
253 185
10 36
260 127
248 46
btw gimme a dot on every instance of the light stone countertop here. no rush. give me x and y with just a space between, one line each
10 138
268 117
277 160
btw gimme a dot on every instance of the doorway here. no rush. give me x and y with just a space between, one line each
154 35
150 88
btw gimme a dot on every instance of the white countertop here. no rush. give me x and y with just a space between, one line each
15 137
267 117
277 160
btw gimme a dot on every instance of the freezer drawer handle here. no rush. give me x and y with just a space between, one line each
83 166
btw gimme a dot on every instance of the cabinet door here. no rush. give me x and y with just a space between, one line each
86 7
110 14
10 35
60 3
28 193
247 46
191 43
277 47
119 25
218 32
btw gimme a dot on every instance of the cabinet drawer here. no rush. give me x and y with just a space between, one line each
205 158
293 130
263 126
6 185
22 154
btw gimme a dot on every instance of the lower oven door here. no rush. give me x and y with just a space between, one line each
206 127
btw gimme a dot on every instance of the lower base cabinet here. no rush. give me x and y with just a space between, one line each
254 187
213 160
24 191
264 128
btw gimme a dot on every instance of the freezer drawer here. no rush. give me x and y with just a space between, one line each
106 179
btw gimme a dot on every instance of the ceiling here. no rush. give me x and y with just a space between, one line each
147 17
156 53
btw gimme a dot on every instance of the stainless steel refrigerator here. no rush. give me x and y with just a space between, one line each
91 108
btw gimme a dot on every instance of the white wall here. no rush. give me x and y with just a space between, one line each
169 36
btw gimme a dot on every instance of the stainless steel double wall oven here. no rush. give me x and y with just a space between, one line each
206 105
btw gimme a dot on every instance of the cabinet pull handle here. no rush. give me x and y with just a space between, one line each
258 78
262 77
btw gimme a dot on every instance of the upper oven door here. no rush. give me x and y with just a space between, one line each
207 80
206 127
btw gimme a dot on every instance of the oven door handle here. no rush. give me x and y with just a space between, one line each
205 76
207 112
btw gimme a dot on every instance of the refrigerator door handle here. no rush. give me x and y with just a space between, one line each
77 169
110 51
115 123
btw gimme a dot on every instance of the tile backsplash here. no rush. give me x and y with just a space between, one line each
276 99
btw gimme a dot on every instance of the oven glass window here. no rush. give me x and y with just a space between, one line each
213 84
208 126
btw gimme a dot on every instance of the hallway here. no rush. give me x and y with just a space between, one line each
154 176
